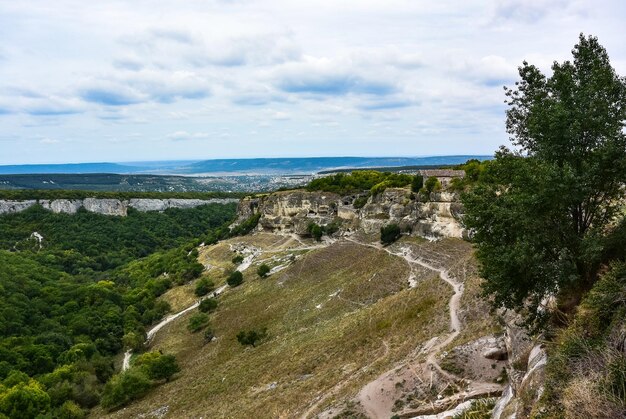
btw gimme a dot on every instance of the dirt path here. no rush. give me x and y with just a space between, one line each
150 334
373 397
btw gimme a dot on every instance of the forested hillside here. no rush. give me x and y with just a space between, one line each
76 289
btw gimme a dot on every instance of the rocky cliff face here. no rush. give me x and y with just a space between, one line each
115 207
293 211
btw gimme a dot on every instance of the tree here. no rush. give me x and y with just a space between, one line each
235 279
263 270
197 322
315 231
432 184
251 337
389 234
158 366
417 183
207 305
24 401
203 287
124 388
542 216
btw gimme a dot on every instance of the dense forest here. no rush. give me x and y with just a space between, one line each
77 289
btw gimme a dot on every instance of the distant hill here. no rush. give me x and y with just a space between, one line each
302 165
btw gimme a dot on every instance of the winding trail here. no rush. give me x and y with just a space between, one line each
150 334
244 265
369 396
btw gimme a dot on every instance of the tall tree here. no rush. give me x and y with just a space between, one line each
542 214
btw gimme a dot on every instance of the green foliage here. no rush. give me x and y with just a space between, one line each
432 184
237 259
251 337
49 194
68 308
245 227
542 220
124 388
204 286
315 231
591 350
417 183
358 181
390 233
70 410
208 305
197 322
360 202
157 366
263 270
235 279
24 401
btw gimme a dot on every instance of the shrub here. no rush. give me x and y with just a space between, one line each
432 184
417 183
389 234
197 322
158 366
237 259
235 279
251 337
263 270
208 335
70 410
360 202
204 286
207 305
124 388
315 231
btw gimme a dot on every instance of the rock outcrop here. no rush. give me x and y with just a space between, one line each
293 211
526 371
114 207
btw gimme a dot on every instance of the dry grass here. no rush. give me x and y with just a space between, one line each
362 298
342 314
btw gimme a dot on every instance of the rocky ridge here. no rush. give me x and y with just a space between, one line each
435 216
116 207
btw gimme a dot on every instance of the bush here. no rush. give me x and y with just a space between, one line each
208 335
360 202
235 279
158 366
417 183
251 337
197 322
70 410
124 388
315 231
204 286
207 305
263 270
432 184
237 259
389 234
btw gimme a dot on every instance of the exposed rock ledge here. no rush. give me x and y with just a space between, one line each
108 206
293 211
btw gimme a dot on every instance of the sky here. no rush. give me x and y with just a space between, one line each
86 81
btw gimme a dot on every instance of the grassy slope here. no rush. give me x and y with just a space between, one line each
373 323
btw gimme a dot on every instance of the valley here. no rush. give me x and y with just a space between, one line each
352 327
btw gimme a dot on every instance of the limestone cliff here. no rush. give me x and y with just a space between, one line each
115 207
292 211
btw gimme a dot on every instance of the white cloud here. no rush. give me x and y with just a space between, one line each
184 135
430 71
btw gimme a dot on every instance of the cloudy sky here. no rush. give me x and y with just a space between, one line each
149 80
